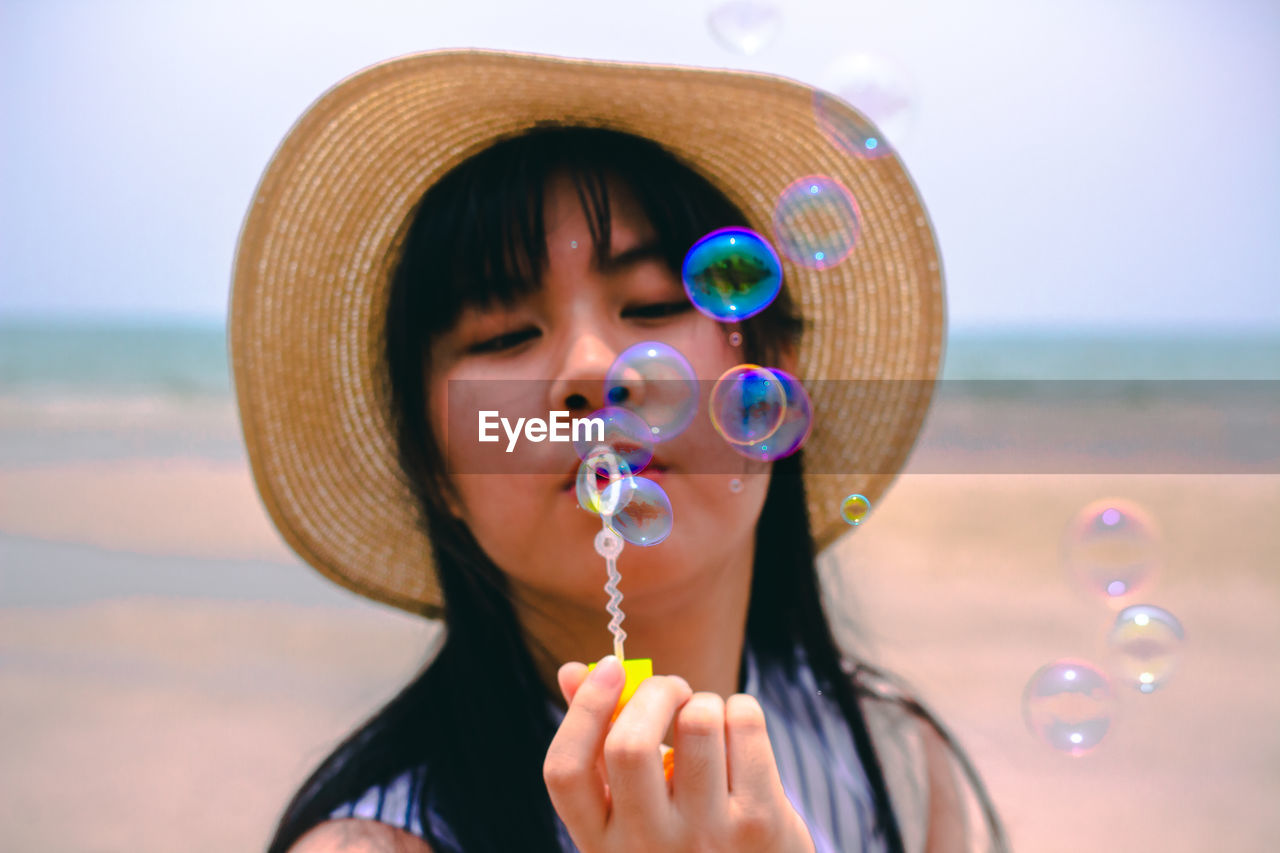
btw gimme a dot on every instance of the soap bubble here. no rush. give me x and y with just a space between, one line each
619 485
625 433
744 27
735 338
854 509
792 430
879 89
747 404
646 519
1068 705
657 383
1111 548
735 485
1145 641
816 222
731 274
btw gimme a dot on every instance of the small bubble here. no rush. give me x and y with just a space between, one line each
1068 704
816 222
604 464
660 384
735 338
744 27
731 274
1111 549
624 432
882 92
747 404
792 431
855 509
646 519
735 485
1145 642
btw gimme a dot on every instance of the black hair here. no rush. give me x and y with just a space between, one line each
477 238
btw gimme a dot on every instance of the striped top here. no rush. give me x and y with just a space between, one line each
817 761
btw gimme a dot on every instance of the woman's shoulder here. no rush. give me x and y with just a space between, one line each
358 835
396 805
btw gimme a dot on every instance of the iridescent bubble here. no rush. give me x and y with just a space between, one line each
1145 641
854 509
735 485
605 484
735 338
625 433
646 519
731 274
816 222
794 428
880 90
1068 704
657 383
747 404
1111 548
744 27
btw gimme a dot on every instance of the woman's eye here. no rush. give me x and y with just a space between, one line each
659 310
503 342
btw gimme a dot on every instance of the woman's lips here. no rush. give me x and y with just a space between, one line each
653 471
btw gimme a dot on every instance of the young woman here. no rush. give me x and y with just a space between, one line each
456 231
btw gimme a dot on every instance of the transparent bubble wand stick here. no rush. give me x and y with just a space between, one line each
609 545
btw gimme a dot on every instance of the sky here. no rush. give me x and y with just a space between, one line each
1087 165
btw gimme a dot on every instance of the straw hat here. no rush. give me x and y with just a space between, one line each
320 240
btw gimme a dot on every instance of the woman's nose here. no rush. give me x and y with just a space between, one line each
581 385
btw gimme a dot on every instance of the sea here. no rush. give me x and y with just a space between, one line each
84 391
188 359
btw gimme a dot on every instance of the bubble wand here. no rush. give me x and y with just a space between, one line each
609 545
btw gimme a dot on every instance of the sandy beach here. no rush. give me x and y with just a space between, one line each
171 671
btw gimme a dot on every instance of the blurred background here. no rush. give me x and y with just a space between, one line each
1105 186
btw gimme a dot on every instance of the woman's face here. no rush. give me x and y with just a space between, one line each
550 352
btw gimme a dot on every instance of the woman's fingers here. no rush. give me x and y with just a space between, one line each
570 676
700 782
573 781
753 771
632 755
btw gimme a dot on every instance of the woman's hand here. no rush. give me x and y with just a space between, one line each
608 786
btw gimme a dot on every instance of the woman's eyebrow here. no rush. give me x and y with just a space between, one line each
644 252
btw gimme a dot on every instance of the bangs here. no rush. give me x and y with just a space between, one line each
478 239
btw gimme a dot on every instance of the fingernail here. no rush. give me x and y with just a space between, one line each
608 673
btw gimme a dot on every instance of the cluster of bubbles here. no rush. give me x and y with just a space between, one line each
882 90
1110 549
763 413
636 507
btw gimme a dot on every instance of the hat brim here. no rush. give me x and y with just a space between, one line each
321 238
